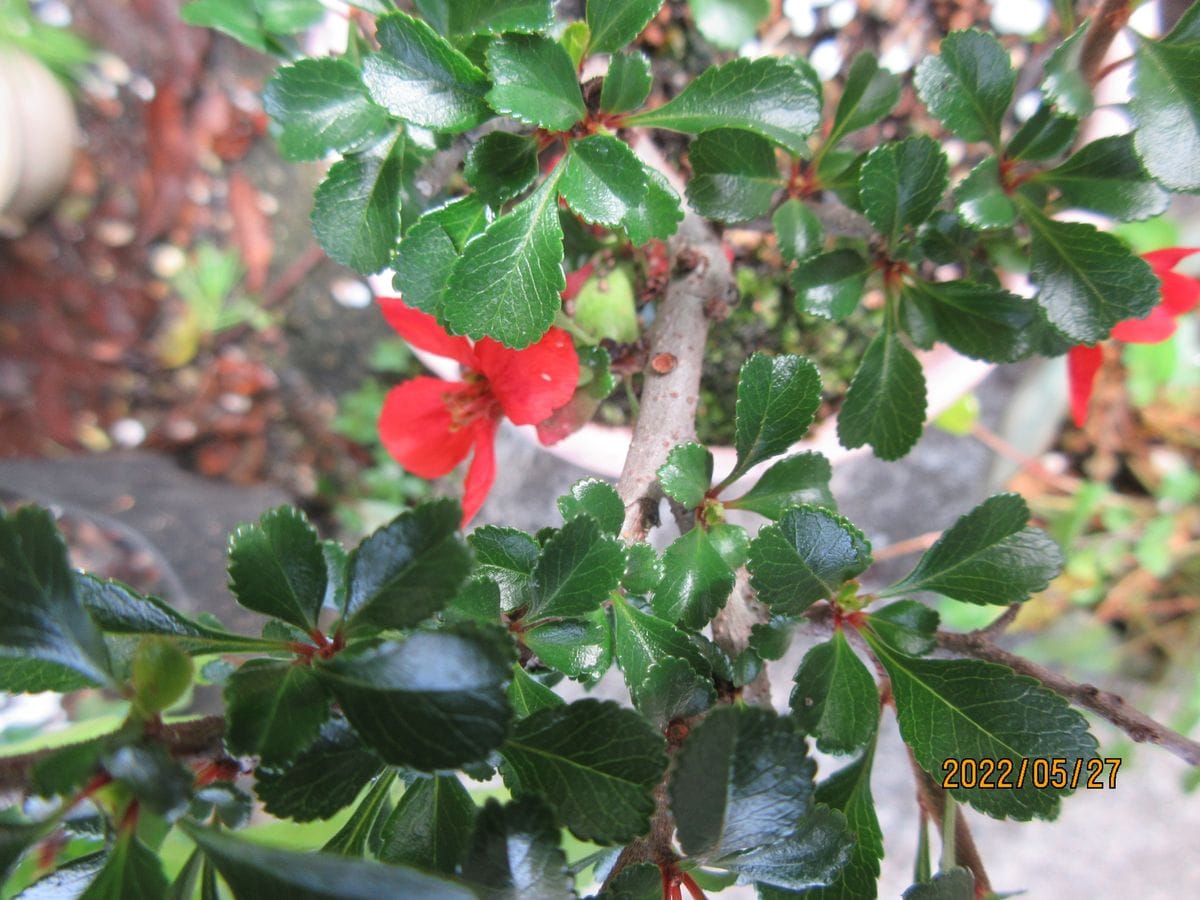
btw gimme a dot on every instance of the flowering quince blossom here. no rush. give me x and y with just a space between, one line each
430 425
1179 295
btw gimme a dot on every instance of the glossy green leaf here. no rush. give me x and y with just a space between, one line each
602 180
966 708
777 398
658 215
1087 280
734 175
319 106
798 230
574 754
627 84
696 581
811 857
578 569
1044 135
467 17
514 852
906 625
988 556
835 698
869 94
729 23
687 474
977 320
968 85
643 570
615 23
506 556
463 218
132 871
506 285
275 710
805 557
577 647
793 481
15 839
981 199
289 16
431 825
423 264
1065 83
534 81
575 38
673 689
407 570
885 405
953 884
527 695
642 640
595 498
419 77
902 183
277 567
501 166
356 209
1165 102
236 18
434 700
772 97
830 285
1106 177
354 838
849 790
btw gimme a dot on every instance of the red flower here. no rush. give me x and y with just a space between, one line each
430 425
1179 295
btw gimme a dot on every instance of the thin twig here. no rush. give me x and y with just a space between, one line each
916 544
1107 23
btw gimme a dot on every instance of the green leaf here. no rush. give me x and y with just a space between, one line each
902 183
687 474
230 805
869 94
506 556
236 18
907 626
641 640
777 398
419 77
830 285
321 105
885 405
960 708
849 790
1044 135
977 320
275 709
643 570
969 85
793 481
805 557
507 283
501 166
70 879
673 689
1165 102
434 700
602 180
579 648
463 218
132 871
1106 177
534 81
289 16
160 674
734 175
253 870
696 581
1064 83
577 753
423 264
987 556
325 777
659 213
277 567
578 569
742 780
606 307
15 839
160 784
356 209
627 84
798 230
981 200
835 698
575 38
431 825
812 857
1087 280
729 23
953 884
353 838
527 695
48 640
407 570
772 97
615 23
514 852
468 17
595 498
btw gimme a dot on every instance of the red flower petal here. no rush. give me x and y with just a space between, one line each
482 471
415 427
1168 258
1082 365
1180 294
576 280
531 383
423 332
1156 327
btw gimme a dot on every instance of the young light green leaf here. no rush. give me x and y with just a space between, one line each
734 175
902 183
835 698
696 581
659 213
506 284
687 474
407 570
869 94
534 81
289 16
775 98
615 23
987 556
777 398
506 556
322 105
793 481
729 23
236 18
274 710
969 85
977 320
423 264
501 166
798 230
578 569
627 84
356 209
966 708
462 18
574 754
575 38
514 852
805 557
906 625
277 567
595 498
431 825
419 77
885 405
577 647
602 180
1106 177
1165 102
981 199
830 285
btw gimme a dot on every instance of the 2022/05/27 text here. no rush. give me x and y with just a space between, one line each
986 773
